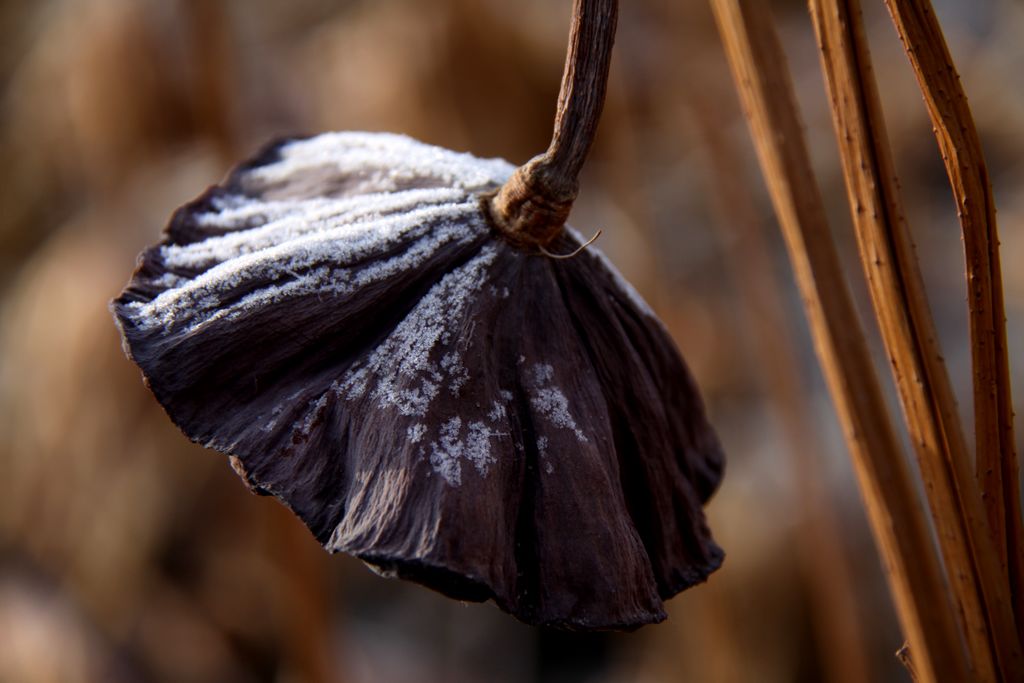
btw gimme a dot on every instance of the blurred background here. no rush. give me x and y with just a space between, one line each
128 554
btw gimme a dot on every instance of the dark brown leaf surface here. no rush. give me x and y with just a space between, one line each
450 408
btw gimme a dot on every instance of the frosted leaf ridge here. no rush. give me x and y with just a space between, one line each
314 263
286 220
385 162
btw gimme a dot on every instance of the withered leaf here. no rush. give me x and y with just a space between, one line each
339 317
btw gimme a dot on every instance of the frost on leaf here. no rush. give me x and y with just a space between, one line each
340 318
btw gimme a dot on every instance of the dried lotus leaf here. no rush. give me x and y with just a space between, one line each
340 317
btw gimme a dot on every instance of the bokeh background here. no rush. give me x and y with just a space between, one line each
128 554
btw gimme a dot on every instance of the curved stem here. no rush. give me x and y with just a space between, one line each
533 205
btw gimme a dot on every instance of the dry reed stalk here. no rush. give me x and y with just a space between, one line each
997 466
890 265
822 557
897 520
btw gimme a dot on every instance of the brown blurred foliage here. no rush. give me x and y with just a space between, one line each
128 554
